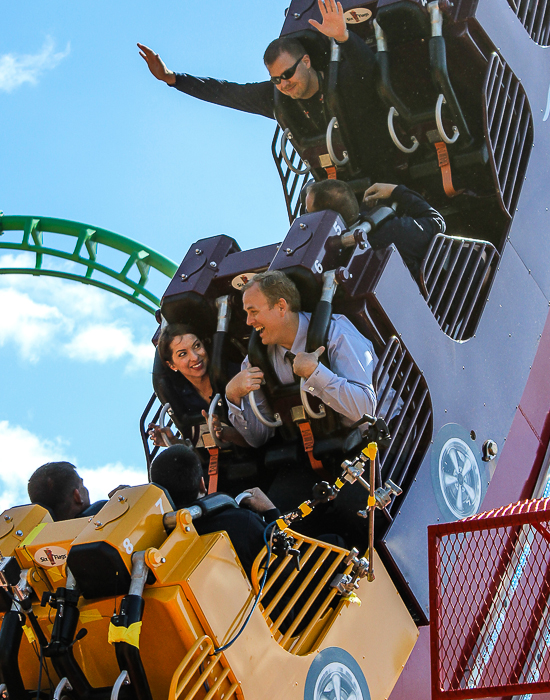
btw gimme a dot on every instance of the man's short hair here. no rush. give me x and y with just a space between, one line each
283 45
52 485
336 195
276 285
178 470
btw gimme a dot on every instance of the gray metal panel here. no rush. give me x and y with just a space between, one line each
476 385
531 64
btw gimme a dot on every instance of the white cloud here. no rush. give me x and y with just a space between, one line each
69 320
100 343
16 70
29 324
102 480
23 452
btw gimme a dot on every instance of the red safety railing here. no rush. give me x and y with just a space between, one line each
490 603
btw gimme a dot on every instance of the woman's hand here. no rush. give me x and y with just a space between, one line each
225 433
217 426
156 435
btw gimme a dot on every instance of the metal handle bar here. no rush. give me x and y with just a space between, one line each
394 113
211 430
162 416
63 683
305 402
123 679
287 135
333 124
440 102
256 411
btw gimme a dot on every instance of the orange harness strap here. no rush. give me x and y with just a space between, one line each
308 440
445 167
213 469
331 172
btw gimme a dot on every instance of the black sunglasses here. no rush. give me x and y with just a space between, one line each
287 75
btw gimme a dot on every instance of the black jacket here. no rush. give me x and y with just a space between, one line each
366 115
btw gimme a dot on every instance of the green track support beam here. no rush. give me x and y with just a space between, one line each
91 246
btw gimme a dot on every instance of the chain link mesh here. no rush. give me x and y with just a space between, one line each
490 603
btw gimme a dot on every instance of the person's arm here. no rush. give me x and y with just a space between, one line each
256 98
225 433
347 388
156 435
261 504
360 60
239 411
410 203
156 65
332 22
414 226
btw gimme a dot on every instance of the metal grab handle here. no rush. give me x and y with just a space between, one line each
394 113
212 408
63 683
286 135
440 102
123 679
256 411
305 402
333 124
162 416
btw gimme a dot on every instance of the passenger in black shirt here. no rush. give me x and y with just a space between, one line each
412 230
292 73
179 471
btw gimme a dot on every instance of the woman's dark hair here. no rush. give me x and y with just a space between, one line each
167 335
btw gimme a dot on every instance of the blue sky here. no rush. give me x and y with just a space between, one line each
87 134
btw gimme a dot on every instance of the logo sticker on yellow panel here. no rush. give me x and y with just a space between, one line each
50 556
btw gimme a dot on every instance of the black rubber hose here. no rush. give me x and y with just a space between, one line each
10 641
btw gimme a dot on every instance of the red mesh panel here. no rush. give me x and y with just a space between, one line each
490 603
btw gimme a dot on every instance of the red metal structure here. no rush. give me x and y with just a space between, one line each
489 603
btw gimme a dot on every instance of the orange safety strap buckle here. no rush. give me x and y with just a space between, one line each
213 469
331 172
309 441
445 166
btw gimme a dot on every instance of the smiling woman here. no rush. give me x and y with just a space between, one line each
183 351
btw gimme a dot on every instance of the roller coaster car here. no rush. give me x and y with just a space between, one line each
178 599
458 117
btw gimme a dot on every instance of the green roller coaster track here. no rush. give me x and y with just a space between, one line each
91 246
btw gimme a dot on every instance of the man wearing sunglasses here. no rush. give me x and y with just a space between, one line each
292 74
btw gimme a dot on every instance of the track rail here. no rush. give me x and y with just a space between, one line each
91 250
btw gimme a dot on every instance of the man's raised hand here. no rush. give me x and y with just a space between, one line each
243 383
156 65
333 24
305 363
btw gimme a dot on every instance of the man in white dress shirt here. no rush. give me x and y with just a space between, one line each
272 304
